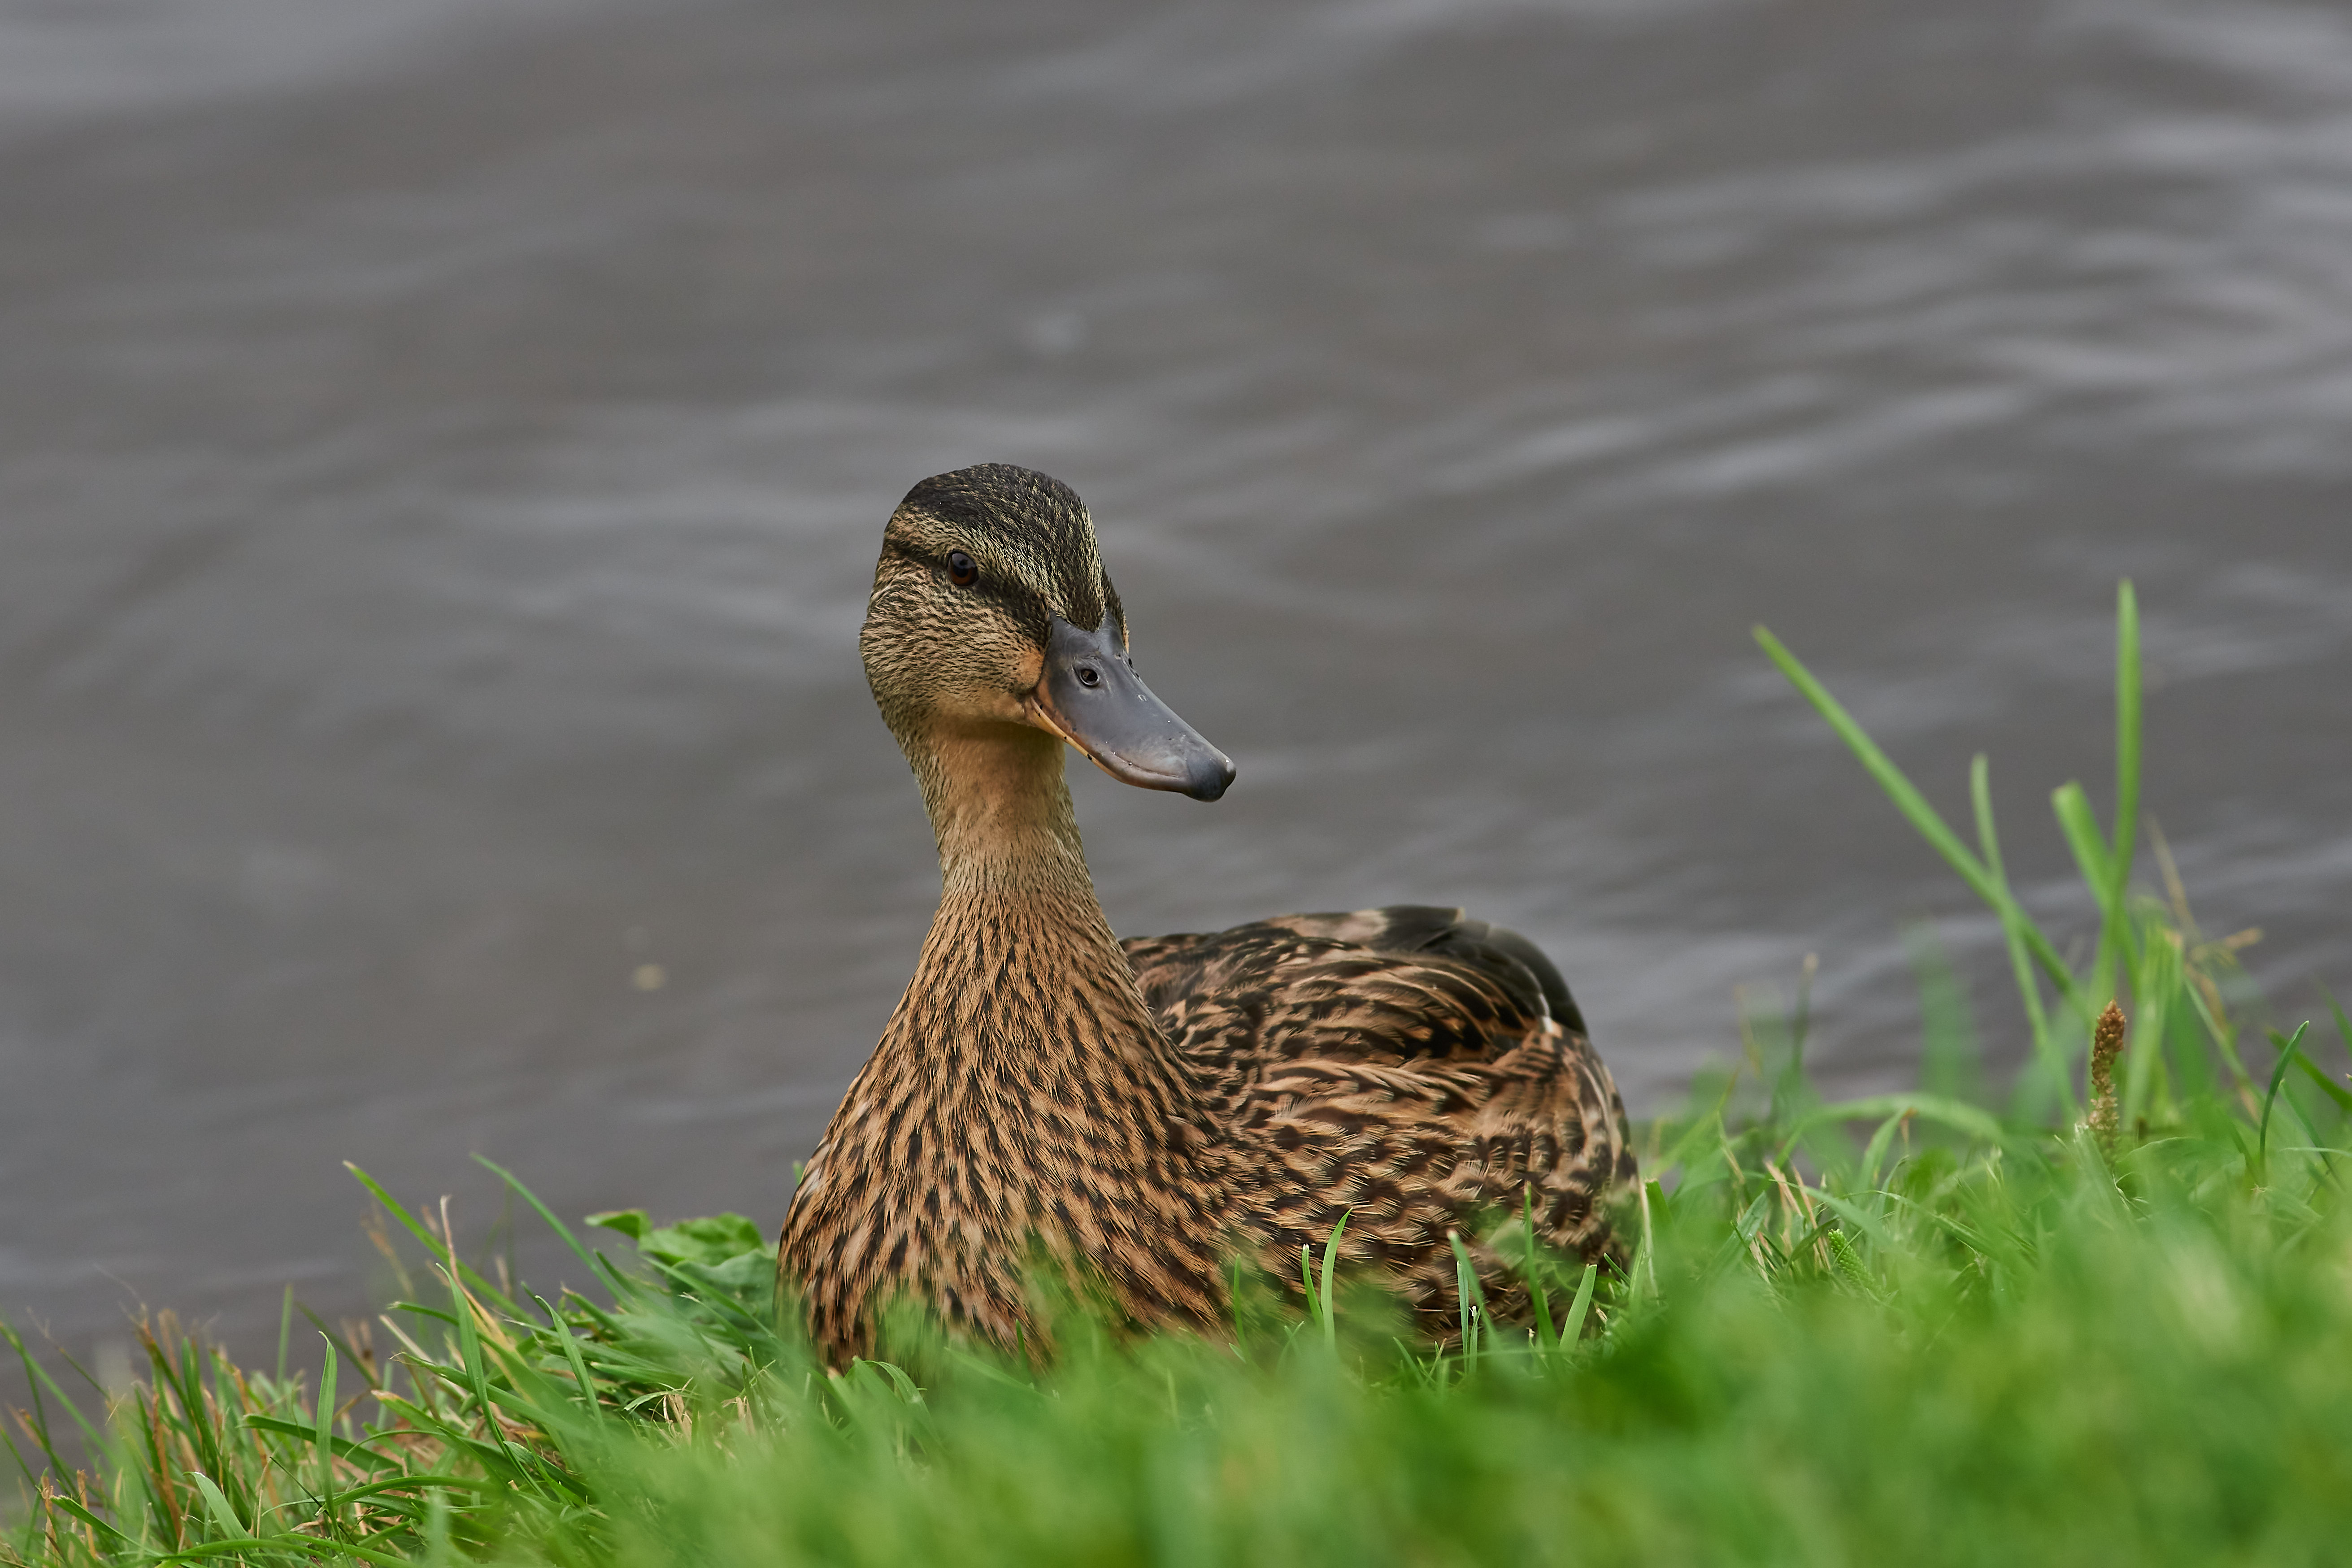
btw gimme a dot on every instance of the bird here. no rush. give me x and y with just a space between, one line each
1143 1114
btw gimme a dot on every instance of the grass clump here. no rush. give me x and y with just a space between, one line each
2094 1326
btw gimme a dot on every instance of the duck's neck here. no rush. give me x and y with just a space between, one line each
1020 982
1002 813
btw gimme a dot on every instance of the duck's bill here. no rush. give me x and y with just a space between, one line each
1092 698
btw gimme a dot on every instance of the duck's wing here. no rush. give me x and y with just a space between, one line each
1173 968
1410 1068
1335 1035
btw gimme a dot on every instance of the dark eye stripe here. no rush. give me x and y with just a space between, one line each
1006 593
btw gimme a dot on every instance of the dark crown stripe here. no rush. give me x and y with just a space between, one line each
1030 521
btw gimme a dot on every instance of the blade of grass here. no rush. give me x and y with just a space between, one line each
614 1281
2290 1048
2343 1024
1646 1259
76 1510
1469 1296
2327 1086
476 1378
2046 1055
572 1355
326 1434
1572 1331
2093 857
2156 993
1879 1143
2107 865
1923 817
1539 1297
1861 1218
2128 745
225 1518
1331 1281
299 1548
285 1329
424 1233
38 1377
2080 825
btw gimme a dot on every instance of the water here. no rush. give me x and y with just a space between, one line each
442 466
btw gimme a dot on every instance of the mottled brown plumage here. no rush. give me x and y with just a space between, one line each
1143 1112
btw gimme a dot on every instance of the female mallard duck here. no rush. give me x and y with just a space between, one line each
1143 1109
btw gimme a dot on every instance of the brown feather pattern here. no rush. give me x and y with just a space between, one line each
1142 1112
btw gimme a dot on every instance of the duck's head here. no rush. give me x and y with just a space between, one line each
991 607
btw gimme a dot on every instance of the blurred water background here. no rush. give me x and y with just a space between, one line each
444 448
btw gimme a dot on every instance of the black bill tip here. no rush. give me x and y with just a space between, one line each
1212 776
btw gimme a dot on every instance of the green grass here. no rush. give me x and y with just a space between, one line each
1918 1328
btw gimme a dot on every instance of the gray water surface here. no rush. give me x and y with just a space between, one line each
441 466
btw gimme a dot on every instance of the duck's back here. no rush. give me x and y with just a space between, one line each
1410 1068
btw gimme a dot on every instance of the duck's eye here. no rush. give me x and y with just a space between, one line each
962 570
1089 676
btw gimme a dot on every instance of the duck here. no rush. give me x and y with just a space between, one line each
1147 1113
